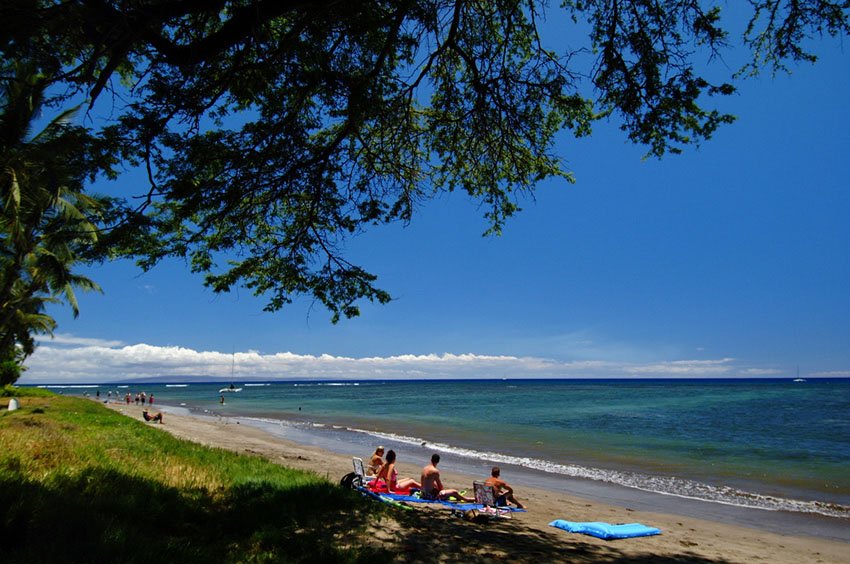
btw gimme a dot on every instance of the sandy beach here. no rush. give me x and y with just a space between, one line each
527 536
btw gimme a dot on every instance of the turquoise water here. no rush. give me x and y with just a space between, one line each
762 443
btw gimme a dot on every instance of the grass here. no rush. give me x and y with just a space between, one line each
11 391
79 482
82 483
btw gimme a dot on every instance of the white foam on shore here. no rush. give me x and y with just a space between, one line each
664 485
311 384
63 386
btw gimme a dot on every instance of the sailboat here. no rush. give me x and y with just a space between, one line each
232 387
798 379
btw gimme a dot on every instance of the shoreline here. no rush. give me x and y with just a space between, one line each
607 434
716 535
342 441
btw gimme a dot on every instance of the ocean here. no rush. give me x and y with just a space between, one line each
768 444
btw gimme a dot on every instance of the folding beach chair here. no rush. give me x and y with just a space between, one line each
360 470
486 496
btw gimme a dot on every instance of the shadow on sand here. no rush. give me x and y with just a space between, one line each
433 535
105 516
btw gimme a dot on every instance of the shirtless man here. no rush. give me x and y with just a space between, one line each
432 487
504 493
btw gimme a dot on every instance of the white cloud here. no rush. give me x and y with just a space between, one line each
65 339
755 372
832 374
96 360
685 368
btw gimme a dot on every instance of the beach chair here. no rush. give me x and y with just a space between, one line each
486 496
360 471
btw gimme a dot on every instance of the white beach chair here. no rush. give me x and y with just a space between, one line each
360 470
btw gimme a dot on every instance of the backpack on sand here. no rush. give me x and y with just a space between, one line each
350 480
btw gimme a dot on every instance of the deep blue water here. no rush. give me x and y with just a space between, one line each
775 444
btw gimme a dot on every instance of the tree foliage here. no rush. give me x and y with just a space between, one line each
46 220
273 131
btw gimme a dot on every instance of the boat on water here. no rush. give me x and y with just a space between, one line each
232 387
799 379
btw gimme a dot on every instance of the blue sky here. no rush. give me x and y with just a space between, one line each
731 260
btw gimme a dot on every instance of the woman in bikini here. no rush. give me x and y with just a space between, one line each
375 462
389 475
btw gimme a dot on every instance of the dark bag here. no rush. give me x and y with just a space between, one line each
350 480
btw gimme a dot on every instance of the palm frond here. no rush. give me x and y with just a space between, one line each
56 124
37 322
13 200
71 299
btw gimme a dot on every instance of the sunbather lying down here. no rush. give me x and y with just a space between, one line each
156 418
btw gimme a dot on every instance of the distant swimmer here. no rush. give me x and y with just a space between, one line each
221 400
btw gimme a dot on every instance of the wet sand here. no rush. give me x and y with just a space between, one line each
527 536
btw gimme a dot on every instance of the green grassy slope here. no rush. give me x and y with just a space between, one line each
79 482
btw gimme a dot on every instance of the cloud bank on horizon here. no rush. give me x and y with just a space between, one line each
69 359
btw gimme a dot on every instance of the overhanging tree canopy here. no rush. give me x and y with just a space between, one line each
273 130
47 222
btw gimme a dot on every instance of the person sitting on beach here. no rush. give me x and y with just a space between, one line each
156 418
376 462
504 493
389 475
432 486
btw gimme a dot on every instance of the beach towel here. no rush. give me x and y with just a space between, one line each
606 531
459 506
384 498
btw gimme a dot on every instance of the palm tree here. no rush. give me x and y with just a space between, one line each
46 220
